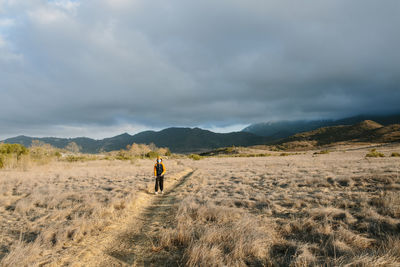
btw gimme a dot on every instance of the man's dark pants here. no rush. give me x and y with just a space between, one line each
159 183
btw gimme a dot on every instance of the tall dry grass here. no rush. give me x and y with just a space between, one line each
51 208
336 208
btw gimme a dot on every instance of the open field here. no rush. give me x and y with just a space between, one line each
49 209
312 208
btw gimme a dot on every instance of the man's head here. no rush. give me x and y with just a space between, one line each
159 159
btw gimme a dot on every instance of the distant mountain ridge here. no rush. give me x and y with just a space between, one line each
284 129
188 140
178 140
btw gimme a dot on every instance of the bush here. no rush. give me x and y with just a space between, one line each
321 152
10 154
230 150
43 153
194 157
80 157
16 149
73 158
375 154
152 155
395 154
123 155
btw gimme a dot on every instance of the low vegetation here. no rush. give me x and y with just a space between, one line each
14 156
195 157
321 152
11 155
139 151
373 153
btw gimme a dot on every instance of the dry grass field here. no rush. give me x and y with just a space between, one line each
49 209
314 208
332 208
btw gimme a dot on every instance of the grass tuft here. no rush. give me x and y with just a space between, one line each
373 153
395 154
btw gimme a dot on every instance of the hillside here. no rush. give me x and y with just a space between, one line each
365 131
284 129
179 140
188 140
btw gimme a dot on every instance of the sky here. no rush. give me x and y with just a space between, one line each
99 68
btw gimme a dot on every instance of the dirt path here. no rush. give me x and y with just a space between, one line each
157 216
134 244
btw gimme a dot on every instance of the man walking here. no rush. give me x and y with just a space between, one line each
159 171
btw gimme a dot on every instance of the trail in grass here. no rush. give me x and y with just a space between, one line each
138 245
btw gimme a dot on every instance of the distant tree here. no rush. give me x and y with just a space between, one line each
73 147
139 149
37 143
152 147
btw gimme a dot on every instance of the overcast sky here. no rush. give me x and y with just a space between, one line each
99 68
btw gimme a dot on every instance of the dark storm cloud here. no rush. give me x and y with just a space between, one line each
71 67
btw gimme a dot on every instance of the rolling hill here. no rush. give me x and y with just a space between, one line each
365 131
284 129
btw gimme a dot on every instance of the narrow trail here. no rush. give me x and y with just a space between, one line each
135 246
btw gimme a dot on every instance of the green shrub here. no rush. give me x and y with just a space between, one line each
194 157
73 158
152 155
123 155
16 149
230 150
43 153
276 148
168 153
395 154
11 153
82 157
322 152
374 154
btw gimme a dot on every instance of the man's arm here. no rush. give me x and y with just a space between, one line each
155 170
163 167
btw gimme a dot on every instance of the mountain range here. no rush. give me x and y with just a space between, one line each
178 140
187 140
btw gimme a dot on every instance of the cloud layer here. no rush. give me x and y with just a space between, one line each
91 66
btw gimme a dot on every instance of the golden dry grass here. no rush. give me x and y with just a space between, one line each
310 209
300 210
51 208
